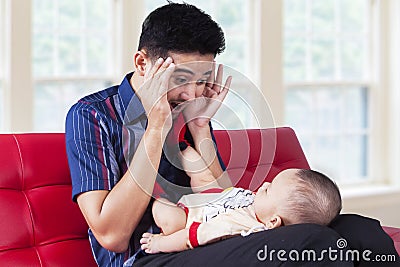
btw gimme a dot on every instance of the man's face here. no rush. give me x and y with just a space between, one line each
189 79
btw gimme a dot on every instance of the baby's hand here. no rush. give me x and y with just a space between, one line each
149 243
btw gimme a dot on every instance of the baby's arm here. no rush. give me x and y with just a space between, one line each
154 243
201 177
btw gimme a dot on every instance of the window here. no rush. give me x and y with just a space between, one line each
73 46
234 19
327 57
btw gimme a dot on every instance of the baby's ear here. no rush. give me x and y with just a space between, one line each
274 222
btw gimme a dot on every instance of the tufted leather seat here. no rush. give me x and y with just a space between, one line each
41 226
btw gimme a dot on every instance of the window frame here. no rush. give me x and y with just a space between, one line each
265 41
372 85
58 78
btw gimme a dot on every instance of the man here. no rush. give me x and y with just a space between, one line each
115 137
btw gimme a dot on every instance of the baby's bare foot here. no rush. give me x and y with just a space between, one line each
149 243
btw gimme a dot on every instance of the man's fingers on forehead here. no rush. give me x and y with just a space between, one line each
227 84
166 63
166 74
211 77
156 66
220 74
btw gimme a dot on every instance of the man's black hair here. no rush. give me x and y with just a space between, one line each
180 28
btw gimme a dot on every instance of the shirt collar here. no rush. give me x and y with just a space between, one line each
132 107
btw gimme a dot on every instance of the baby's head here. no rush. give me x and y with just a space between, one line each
298 196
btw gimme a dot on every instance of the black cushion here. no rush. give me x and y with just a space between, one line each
361 234
261 249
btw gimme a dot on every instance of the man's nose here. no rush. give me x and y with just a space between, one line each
188 92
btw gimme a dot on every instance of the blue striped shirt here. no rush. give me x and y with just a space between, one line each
103 131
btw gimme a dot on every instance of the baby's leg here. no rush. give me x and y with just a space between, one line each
201 178
168 216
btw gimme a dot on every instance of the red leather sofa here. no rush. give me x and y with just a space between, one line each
41 226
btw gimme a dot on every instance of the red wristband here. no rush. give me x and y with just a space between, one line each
193 234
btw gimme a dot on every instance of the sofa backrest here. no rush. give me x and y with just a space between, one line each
253 156
41 226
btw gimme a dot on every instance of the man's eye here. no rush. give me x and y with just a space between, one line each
180 80
200 82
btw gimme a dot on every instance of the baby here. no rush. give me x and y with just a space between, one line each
294 196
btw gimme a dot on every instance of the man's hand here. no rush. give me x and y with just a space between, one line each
199 111
153 94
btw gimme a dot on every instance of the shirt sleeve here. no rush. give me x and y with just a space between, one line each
222 226
91 159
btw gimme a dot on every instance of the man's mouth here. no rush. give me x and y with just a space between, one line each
175 104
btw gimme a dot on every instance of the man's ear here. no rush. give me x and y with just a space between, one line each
141 60
274 222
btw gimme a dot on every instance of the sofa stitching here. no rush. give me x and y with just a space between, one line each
26 197
20 160
40 259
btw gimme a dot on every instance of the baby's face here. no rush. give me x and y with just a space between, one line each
271 196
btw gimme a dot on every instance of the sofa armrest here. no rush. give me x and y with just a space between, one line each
394 233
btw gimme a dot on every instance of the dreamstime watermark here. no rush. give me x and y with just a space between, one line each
339 253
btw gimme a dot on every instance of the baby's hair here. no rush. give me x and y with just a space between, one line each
314 199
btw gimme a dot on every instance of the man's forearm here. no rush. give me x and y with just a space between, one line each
114 216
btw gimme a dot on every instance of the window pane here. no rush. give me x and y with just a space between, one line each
68 35
244 107
352 15
44 13
352 59
43 54
296 11
72 55
323 59
231 14
333 122
300 110
332 48
69 62
51 106
68 13
323 16
295 58
236 51
96 51
96 18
